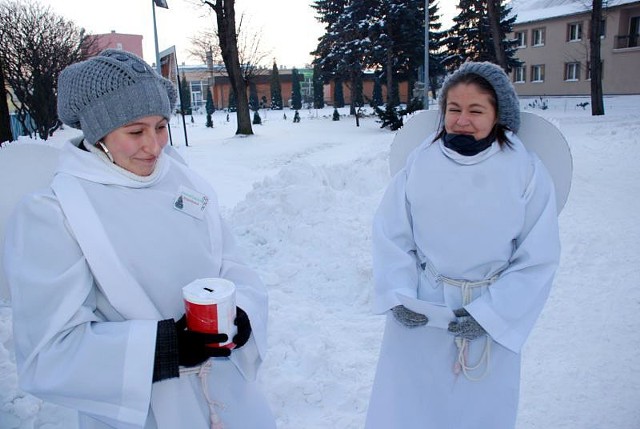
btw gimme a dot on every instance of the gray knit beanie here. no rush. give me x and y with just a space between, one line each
110 90
508 104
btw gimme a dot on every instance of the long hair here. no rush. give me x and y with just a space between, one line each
499 130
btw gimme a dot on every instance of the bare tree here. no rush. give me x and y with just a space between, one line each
204 47
597 102
228 42
35 45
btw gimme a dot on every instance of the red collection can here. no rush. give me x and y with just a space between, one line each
210 306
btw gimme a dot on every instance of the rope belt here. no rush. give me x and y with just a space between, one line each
202 371
462 344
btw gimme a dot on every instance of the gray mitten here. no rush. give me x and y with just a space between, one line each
466 326
409 318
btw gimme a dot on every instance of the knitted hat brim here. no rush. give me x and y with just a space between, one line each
146 98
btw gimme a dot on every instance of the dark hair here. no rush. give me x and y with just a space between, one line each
499 130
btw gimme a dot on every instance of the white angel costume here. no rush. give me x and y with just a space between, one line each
94 262
478 232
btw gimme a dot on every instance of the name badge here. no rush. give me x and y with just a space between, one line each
191 202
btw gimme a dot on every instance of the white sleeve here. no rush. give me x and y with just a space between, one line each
395 268
66 353
511 305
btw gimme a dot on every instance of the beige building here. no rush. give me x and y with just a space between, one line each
554 47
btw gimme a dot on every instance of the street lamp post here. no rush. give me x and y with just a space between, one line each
425 99
163 4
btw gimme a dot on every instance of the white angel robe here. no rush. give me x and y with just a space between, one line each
470 218
93 264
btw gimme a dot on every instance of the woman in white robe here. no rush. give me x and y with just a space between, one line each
469 223
97 262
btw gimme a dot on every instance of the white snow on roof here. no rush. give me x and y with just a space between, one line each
536 10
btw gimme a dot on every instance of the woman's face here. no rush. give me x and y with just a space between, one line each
137 145
469 111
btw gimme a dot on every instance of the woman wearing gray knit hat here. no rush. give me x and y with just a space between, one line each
105 252
465 248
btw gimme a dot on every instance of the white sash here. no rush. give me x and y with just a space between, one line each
109 273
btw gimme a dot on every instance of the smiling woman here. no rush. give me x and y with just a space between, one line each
469 225
104 289
137 145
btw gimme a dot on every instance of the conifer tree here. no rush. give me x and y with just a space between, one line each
296 94
276 89
210 108
254 102
185 95
471 37
232 102
358 97
318 87
338 94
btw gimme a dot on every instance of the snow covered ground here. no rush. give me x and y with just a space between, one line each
300 198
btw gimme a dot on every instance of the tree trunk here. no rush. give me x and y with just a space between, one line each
390 95
5 119
226 20
493 11
597 102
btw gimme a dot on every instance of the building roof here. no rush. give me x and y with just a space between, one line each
537 10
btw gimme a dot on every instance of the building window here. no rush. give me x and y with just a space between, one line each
574 32
119 46
538 36
519 74
572 71
634 31
521 37
537 73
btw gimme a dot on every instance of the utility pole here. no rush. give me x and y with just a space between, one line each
162 4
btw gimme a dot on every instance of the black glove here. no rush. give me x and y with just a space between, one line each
244 328
409 318
176 345
193 348
466 326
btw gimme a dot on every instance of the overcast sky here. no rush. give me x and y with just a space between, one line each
288 39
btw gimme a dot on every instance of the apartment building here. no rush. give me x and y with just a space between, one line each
126 42
553 41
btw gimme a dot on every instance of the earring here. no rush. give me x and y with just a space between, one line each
106 151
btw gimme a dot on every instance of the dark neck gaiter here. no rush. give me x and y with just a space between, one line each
467 145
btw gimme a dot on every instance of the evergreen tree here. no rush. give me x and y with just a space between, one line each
232 101
338 94
276 89
296 94
210 108
470 38
256 118
254 102
343 47
376 97
336 114
386 35
358 98
318 88
185 95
